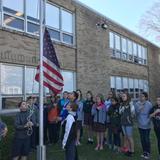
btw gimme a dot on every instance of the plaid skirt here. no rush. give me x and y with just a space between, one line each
99 127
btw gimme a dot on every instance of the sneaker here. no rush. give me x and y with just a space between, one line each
97 148
101 148
146 156
110 146
78 143
115 148
142 155
90 141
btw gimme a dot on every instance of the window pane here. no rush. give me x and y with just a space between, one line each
67 21
111 40
32 9
124 45
139 51
32 86
131 83
112 81
54 34
11 102
117 42
32 28
52 16
143 54
13 22
129 47
67 38
141 83
125 82
146 86
118 83
134 49
15 7
68 81
11 81
131 88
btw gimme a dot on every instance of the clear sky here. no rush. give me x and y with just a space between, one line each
126 12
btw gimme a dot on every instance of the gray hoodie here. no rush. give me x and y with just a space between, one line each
142 114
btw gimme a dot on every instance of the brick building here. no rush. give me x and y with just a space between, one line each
95 53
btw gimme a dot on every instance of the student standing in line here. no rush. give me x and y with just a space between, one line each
99 119
109 131
64 112
53 114
155 115
69 138
80 116
143 107
127 113
23 129
88 118
63 101
115 123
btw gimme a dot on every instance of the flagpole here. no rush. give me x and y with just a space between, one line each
41 151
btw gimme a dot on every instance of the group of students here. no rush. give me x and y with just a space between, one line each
67 117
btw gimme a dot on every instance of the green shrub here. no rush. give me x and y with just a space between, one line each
6 143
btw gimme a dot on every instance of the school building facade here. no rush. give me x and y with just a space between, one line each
94 52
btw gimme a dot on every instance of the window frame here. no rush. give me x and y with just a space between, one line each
26 21
24 95
130 81
120 54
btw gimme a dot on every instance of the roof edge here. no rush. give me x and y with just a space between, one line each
112 21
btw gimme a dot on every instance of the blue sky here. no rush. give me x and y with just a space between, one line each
126 12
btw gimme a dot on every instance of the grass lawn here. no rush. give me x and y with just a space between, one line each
86 152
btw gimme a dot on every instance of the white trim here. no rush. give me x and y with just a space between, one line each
52 84
51 64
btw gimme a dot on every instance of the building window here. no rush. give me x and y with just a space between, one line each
11 82
23 15
136 88
67 21
52 11
118 84
126 49
112 83
111 40
16 86
140 58
31 85
133 86
15 7
135 53
69 81
125 83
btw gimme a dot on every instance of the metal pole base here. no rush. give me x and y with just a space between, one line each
41 152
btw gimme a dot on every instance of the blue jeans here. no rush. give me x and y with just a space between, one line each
145 140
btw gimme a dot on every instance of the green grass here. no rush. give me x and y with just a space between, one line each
86 152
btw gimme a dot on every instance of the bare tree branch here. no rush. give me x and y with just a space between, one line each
150 21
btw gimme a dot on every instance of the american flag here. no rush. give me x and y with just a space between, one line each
51 68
